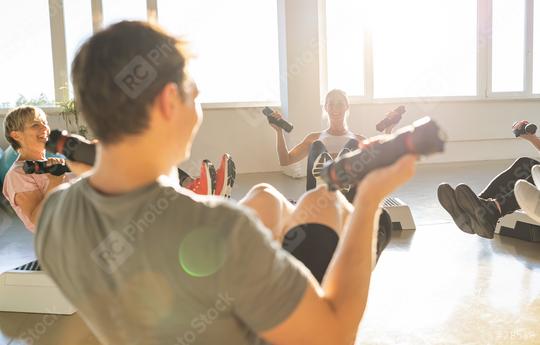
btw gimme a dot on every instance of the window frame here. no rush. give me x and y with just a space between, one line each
483 70
484 59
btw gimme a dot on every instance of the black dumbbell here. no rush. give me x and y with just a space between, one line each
287 126
424 137
40 167
74 148
524 128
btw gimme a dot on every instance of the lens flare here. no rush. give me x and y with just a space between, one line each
202 252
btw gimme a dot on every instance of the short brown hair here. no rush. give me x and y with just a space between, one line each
16 119
118 73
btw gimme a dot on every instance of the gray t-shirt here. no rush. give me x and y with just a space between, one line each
158 266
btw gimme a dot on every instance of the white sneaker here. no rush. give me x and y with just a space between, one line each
535 171
318 166
344 151
528 198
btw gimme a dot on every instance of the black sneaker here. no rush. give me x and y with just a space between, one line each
345 189
483 213
447 199
319 165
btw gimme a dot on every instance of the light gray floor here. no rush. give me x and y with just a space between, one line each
435 285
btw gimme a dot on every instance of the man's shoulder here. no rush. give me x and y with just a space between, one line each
66 189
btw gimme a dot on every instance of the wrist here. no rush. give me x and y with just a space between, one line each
367 200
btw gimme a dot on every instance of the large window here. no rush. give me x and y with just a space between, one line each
78 22
424 48
345 49
117 10
508 45
26 66
432 48
375 49
536 48
420 48
234 43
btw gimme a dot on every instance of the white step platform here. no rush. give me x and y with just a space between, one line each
28 289
519 225
400 214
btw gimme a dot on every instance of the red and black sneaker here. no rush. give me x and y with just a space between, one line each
205 184
225 176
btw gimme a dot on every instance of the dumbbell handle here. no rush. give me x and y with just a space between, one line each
287 126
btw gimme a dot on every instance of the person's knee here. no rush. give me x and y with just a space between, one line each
262 188
318 201
522 167
265 195
318 195
524 162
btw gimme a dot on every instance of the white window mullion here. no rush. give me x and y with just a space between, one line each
535 51
484 48
529 39
368 64
151 6
97 15
323 49
58 43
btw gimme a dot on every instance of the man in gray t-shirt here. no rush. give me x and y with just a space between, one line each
147 262
162 267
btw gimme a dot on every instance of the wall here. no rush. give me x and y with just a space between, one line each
476 131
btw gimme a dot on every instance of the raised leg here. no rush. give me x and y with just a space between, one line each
272 208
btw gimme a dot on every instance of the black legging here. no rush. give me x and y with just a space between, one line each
314 151
501 187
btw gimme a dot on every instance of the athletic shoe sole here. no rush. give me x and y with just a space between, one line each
447 199
528 198
479 214
231 176
318 166
319 163
210 171
344 151
228 174
535 171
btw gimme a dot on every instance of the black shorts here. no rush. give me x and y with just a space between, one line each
314 244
